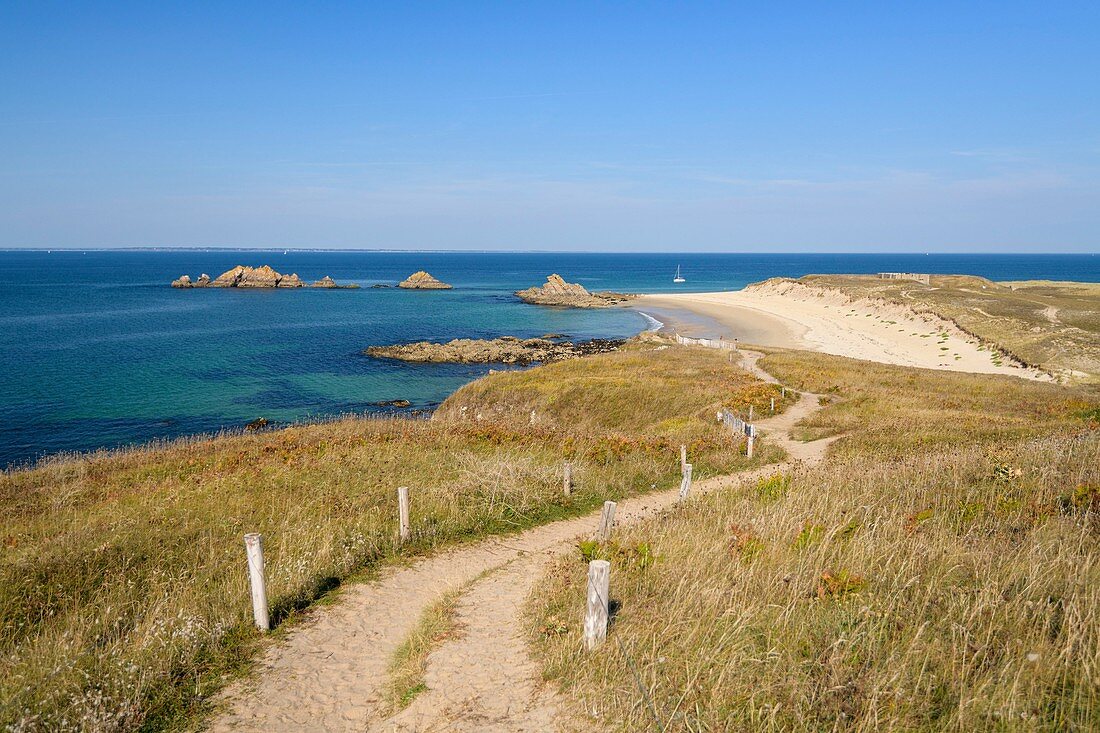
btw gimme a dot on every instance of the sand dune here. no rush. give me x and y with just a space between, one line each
789 314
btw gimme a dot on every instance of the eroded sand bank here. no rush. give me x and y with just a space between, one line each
792 315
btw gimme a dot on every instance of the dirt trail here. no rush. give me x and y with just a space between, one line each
329 674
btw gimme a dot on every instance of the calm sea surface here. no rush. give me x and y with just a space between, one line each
98 351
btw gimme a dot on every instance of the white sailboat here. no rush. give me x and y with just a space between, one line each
678 278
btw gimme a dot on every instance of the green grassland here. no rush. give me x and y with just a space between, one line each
1051 325
123 589
940 570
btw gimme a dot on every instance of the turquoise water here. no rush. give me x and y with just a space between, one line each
98 351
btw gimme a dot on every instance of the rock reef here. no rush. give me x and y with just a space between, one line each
503 350
557 291
421 280
264 276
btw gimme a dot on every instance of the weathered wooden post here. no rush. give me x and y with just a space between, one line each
751 439
403 511
254 547
607 520
784 392
773 404
595 613
750 412
567 481
683 458
685 482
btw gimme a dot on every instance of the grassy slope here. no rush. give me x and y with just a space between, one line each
123 596
1055 326
643 390
940 571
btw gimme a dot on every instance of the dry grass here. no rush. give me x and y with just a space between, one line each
912 582
646 389
123 590
405 676
1051 325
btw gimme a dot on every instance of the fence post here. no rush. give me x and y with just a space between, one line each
773 404
683 458
567 481
403 511
750 412
595 613
607 520
254 547
685 482
784 393
748 444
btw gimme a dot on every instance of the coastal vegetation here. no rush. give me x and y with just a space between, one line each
1051 325
123 591
939 571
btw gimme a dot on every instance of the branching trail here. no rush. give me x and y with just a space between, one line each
329 674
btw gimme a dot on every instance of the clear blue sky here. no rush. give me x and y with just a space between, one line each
629 126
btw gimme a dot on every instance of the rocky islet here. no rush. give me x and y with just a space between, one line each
556 291
503 350
243 276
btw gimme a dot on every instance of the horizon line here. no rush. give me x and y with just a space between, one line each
190 248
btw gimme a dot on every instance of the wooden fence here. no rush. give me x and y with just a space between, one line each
709 343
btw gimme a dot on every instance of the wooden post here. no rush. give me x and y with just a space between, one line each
685 482
784 393
595 613
403 511
607 520
567 482
683 458
748 445
254 547
773 404
750 412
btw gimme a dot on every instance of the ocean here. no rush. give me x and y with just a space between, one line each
97 351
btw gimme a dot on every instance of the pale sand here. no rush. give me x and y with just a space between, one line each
328 674
792 315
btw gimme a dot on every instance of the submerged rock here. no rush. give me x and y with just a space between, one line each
264 276
503 350
392 403
421 280
556 291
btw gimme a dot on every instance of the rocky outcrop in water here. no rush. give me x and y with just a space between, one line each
557 291
264 276
503 350
421 280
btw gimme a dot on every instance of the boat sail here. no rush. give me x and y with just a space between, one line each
679 278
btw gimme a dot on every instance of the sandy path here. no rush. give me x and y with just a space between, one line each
328 674
795 315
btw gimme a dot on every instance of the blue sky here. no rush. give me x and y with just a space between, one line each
589 126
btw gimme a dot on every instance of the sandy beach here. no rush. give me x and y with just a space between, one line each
795 316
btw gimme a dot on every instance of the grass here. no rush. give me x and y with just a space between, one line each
940 571
1051 325
123 591
647 388
405 676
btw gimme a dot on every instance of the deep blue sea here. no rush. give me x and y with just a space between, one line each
98 351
